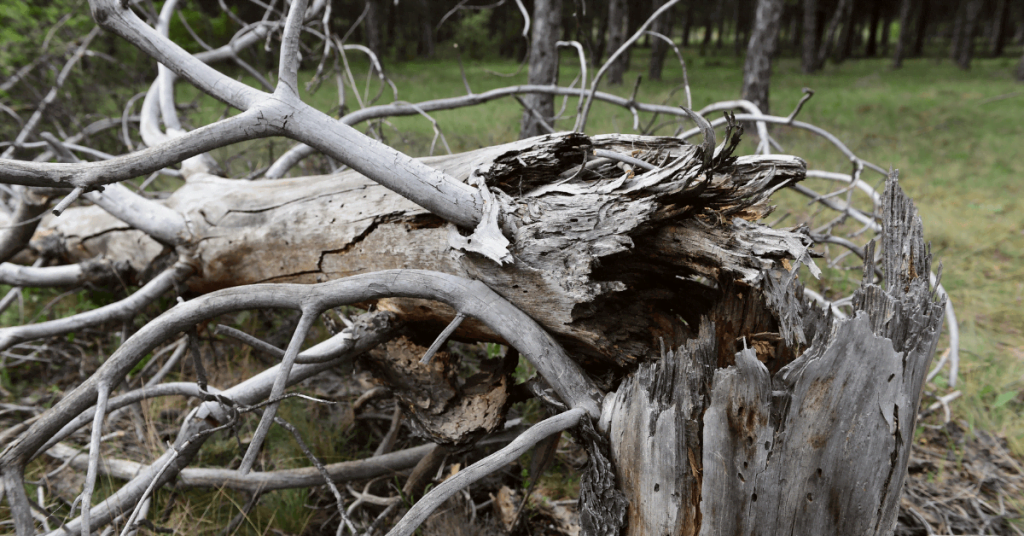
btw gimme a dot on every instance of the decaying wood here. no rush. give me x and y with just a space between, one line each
818 447
596 252
615 261
443 407
655 416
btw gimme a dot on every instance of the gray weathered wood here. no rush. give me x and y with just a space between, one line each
757 69
653 422
809 42
579 244
546 26
780 419
207 477
903 41
618 29
822 447
658 46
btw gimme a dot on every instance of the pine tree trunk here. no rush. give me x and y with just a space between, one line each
1019 75
958 30
842 12
921 30
659 48
426 48
543 67
965 45
871 50
618 25
687 24
886 29
719 24
903 42
757 70
373 22
597 54
708 32
846 36
737 16
796 30
997 34
809 57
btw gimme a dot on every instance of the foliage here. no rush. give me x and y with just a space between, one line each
214 28
41 37
473 35
23 24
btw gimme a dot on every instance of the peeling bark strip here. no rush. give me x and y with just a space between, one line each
596 250
822 447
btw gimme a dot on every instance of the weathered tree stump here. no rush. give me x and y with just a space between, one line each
818 447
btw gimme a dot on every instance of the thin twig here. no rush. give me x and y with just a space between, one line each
320 468
447 332
625 158
581 121
535 114
305 323
103 392
808 93
388 441
437 496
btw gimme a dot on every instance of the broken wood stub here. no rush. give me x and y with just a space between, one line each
809 434
822 446
654 424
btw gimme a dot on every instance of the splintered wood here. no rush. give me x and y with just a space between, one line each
819 447
606 257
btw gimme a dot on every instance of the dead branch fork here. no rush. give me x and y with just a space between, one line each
470 298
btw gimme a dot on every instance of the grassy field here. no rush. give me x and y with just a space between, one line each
955 137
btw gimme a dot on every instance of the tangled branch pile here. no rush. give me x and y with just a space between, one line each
632 271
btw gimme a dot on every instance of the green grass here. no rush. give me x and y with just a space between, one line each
955 137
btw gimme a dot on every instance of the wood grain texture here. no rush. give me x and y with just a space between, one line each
822 446
654 418
596 252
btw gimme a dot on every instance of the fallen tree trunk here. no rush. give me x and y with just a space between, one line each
670 257
622 245
607 258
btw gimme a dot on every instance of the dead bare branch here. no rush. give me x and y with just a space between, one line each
437 496
37 115
581 121
119 311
